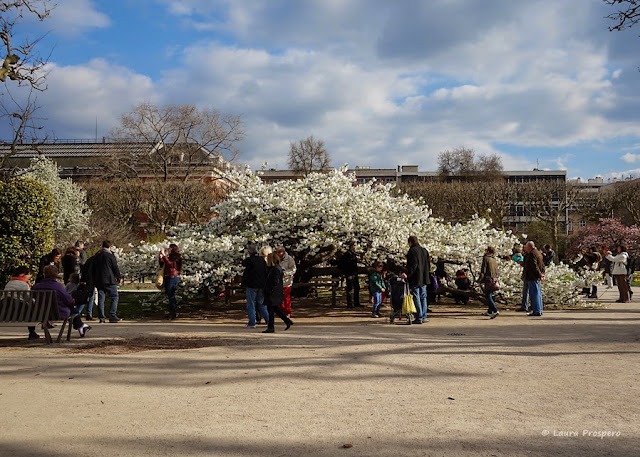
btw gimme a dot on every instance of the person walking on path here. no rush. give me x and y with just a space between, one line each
489 280
254 279
376 287
106 277
418 277
533 273
349 266
171 268
289 270
274 293
619 272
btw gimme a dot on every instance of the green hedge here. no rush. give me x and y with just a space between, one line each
26 224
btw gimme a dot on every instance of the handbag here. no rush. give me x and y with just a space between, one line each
408 305
491 285
160 278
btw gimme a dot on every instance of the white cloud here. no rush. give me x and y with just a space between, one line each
631 158
72 17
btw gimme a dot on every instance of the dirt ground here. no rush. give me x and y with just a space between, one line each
339 383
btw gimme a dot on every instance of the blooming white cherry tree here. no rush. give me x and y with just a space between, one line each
313 218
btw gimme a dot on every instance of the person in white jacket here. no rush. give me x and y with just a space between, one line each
619 271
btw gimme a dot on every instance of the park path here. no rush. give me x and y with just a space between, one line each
461 385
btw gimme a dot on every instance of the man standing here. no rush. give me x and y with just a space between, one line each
532 273
254 279
289 270
548 256
106 277
349 266
417 275
81 252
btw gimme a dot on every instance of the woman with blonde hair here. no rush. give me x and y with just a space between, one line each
274 292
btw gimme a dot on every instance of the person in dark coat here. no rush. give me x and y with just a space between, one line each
106 277
53 258
63 299
254 279
70 263
274 293
81 252
489 272
86 281
462 283
349 266
418 277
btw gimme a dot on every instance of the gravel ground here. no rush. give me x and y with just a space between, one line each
338 384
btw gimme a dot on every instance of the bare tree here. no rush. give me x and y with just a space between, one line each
626 17
21 63
182 139
548 202
458 201
462 164
22 66
21 117
308 155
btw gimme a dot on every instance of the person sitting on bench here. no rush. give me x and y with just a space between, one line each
20 281
64 300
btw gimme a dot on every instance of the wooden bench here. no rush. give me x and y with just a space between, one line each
24 308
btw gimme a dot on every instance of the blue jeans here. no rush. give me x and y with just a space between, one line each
377 301
89 304
525 295
534 291
255 300
113 293
420 299
170 286
491 303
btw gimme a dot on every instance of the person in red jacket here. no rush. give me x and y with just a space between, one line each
172 267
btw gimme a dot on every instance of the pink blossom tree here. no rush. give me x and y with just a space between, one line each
607 233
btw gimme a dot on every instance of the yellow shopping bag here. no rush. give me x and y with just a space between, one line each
408 305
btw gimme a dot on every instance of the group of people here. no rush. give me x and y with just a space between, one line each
616 268
417 279
267 279
77 281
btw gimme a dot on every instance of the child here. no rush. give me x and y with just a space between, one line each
462 283
74 282
376 287
397 286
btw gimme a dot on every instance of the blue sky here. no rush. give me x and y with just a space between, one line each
382 83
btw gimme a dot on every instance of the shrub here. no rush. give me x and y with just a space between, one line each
26 224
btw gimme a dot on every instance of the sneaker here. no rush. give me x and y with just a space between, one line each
487 313
250 326
83 330
101 320
496 314
51 325
417 321
269 330
115 319
34 336
89 317
534 314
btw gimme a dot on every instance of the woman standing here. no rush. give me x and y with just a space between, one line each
172 267
70 263
489 279
619 271
274 293
53 258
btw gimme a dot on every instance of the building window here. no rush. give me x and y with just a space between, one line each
570 226
388 180
519 210
582 224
